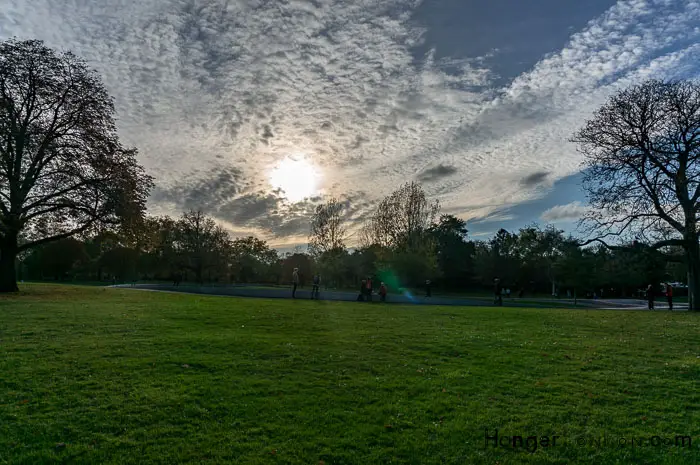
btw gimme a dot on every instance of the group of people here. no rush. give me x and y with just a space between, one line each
651 296
367 289
316 284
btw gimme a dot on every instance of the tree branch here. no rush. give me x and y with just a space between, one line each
57 237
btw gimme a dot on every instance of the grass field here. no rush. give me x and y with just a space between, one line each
93 375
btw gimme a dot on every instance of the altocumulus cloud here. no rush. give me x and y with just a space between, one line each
215 92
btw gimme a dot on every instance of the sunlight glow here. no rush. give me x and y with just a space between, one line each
296 177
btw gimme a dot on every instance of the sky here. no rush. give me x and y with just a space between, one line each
256 110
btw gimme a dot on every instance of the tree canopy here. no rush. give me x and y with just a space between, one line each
63 170
642 151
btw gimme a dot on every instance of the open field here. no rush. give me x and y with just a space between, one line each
95 375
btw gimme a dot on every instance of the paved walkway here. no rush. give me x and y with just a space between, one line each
305 294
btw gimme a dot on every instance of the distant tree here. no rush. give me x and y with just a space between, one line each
253 260
502 260
402 219
642 151
297 260
455 253
62 168
99 244
327 242
368 261
539 249
121 263
328 232
155 241
335 267
201 245
414 266
575 268
56 260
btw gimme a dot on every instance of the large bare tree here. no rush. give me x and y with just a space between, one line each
642 176
62 167
402 219
328 231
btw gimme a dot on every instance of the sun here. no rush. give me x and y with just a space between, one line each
296 178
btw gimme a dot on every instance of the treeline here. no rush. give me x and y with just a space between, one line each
404 242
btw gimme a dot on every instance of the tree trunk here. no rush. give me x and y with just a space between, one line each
693 258
8 273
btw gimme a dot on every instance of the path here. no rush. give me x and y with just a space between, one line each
305 294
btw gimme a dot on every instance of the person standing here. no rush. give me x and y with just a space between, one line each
363 290
497 297
650 296
369 289
295 282
669 296
428 288
316 285
382 292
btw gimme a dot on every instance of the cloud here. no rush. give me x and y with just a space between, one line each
201 192
436 173
495 217
535 179
215 92
570 212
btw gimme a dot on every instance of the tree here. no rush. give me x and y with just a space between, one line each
502 260
413 266
327 241
62 167
298 260
155 242
327 229
55 260
455 254
642 151
539 249
402 219
201 245
575 268
336 268
120 262
253 259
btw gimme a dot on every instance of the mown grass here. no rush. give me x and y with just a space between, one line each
91 375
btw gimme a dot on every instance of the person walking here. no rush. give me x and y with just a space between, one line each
369 289
295 282
316 285
428 288
650 296
497 296
669 296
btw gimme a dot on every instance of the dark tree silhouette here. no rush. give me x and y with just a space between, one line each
327 229
201 244
62 168
642 152
455 253
402 219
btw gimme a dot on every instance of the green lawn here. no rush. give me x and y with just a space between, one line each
92 375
